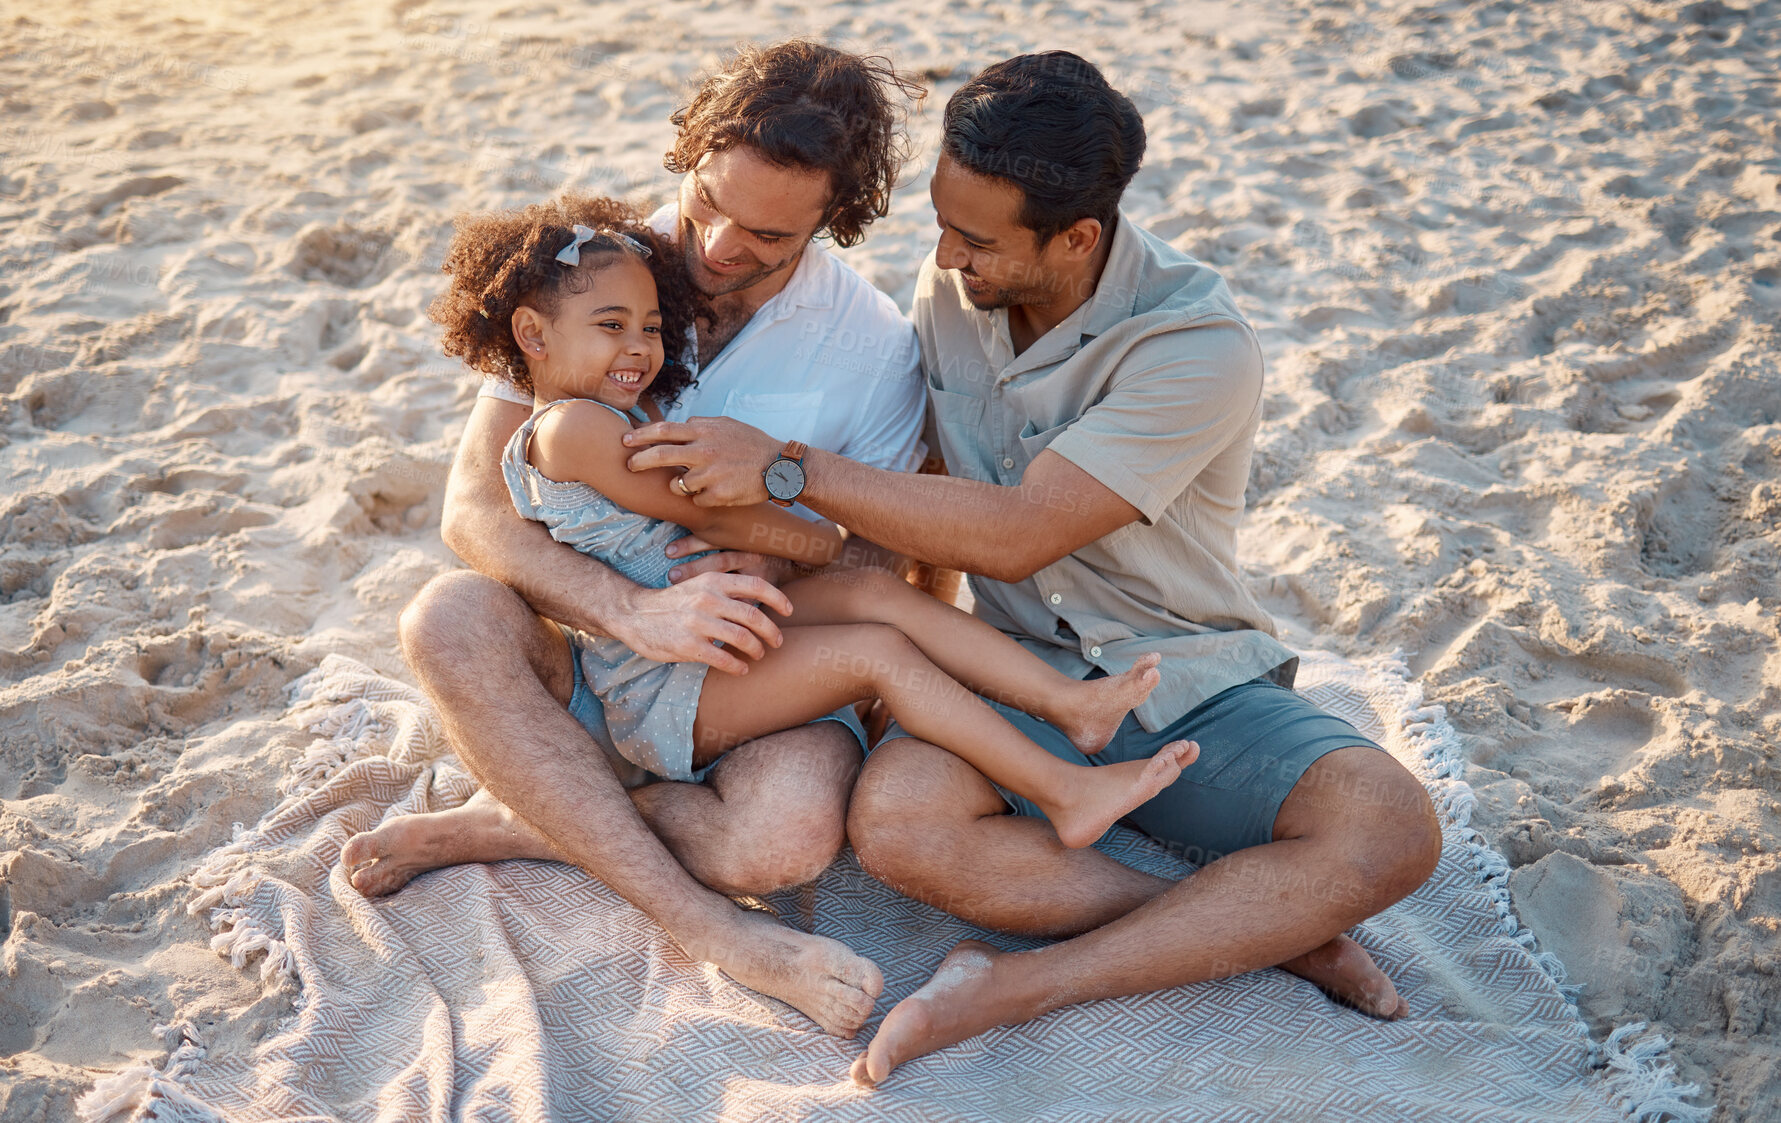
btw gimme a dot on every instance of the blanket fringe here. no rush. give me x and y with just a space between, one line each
142 1092
1643 1083
239 937
349 706
1639 1078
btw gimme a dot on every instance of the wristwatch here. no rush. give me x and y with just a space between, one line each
785 476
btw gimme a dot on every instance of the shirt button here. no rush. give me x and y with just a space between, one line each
1057 598
1094 652
1007 461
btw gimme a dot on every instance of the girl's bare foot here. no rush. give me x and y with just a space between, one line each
1104 794
1089 715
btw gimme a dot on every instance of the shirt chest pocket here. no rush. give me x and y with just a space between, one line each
1033 440
789 417
958 419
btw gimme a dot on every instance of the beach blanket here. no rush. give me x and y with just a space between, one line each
528 991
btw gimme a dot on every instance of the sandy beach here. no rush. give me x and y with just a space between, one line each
1516 271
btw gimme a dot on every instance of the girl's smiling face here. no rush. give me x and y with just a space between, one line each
604 344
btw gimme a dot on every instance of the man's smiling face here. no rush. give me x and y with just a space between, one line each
743 219
998 258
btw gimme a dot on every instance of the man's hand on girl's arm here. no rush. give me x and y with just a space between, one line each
776 571
723 459
676 624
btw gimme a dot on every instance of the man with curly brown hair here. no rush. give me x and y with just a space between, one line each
786 144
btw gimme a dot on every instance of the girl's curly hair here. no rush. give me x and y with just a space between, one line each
499 261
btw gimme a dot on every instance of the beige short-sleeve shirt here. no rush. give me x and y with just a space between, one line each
1153 387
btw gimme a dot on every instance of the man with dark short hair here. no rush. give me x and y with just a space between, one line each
786 143
1096 394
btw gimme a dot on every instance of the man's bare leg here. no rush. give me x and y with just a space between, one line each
772 814
498 675
1091 889
939 834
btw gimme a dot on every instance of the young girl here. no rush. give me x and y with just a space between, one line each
579 303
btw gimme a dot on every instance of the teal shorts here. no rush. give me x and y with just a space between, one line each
1256 739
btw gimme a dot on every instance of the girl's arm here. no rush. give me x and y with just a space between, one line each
479 524
581 441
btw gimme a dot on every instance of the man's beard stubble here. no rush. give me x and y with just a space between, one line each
995 298
714 284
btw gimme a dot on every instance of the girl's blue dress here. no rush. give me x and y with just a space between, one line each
649 706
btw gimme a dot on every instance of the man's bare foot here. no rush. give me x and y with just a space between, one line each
959 1002
825 979
1105 794
381 861
1089 715
1344 971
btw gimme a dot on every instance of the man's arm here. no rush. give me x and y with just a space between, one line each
1004 533
1176 406
937 581
1007 533
894 435
673 625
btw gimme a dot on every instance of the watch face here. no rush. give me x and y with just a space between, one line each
785 479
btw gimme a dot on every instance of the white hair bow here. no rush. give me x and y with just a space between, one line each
571 253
